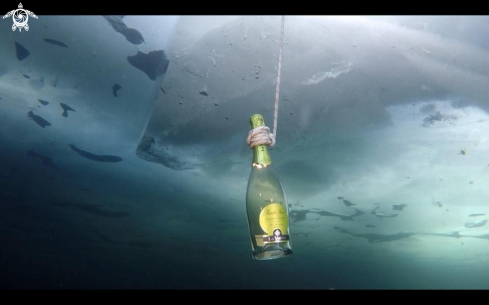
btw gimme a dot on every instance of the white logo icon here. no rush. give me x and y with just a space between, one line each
20 17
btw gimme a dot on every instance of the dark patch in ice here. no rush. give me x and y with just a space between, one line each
382 215
477 214
432 118
203 92
90 208
26 76
66 108
43 102
132 35
38 119
340 215
297 216
154 64
438 117
162 90
147 151
399 207
371 226
348 203
475 224
55 42
20 52
45 160
115 88
94 157
376 238
455 234
301 215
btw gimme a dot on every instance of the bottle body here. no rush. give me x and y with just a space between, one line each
268 214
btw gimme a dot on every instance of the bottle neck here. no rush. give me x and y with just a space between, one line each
261 155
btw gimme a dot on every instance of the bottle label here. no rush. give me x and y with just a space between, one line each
274 221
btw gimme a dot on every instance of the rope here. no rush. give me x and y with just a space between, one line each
262 135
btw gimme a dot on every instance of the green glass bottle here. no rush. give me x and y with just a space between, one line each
266 205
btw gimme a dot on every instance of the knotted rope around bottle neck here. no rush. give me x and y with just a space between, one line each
259 136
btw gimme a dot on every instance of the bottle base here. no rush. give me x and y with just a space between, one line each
272 251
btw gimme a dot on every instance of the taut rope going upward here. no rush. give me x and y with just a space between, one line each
262 135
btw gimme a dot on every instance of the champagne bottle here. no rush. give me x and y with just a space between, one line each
266 205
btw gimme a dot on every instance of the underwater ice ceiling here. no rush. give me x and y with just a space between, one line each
382 129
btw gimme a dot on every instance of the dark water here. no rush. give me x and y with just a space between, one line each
108 230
